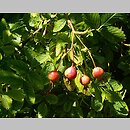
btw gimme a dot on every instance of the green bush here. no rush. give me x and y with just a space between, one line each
34 44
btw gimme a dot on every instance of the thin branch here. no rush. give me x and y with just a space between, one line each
106 21
87 50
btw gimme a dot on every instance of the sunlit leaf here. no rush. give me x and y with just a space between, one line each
6 101
121 108
58 25
115 85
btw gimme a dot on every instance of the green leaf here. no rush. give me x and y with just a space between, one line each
126 83
62 37
19 66
7 36
67 106
70 85
36 80
8 50
79 112
38 98
39 37
100 59
98 93
30 93
10 78
61 99
45 70
42 110
121 108
79 86
3 25
52 50
96 104
78 59
48 67
108 53
35 20
16 39
1 87
73 96
106 77
112 96
103 96
52 99
91 114
17 95
62 67
114 33
40 56
124 66
57 44
93 20
6 101
106 17
115 85
80 25
1 56
13 38
16 105
16 26
59 24
108 96
58 49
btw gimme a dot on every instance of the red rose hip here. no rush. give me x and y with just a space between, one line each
71 73
53 76
84 80
97 72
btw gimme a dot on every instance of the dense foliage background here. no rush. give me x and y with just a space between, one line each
33 44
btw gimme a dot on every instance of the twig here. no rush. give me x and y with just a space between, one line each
87 50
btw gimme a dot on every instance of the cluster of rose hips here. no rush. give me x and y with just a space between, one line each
71 73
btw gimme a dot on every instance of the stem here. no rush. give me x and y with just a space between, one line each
51 87
72 44
84 32
78 32
30 36
85 103
91 58
64 56
28 39
106 21
71 26
61 60
6 89
85 63
81 100
87 50
72 48
74 32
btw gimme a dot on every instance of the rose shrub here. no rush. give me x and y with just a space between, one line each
34 44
